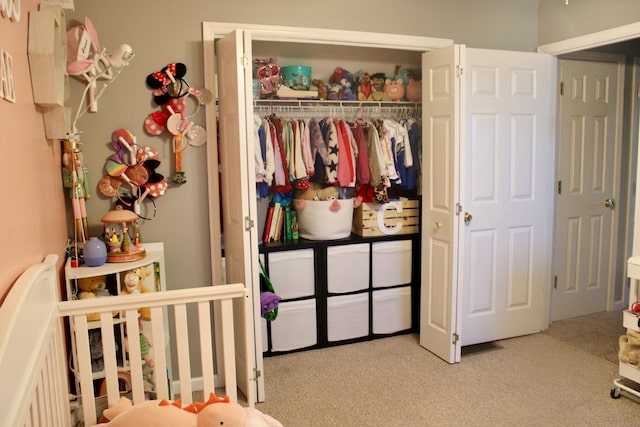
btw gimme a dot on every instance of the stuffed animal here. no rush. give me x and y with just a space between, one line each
95 350
413 91
212 413
317 193
322 88
132 284
93 287
377 87
401 73
363 87
394 89
146 353
341 85
629 348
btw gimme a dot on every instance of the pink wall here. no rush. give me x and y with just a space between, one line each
32 200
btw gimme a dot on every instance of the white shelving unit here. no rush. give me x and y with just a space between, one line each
629 379
114 273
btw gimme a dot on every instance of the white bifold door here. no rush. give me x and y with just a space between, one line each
239 207
487 218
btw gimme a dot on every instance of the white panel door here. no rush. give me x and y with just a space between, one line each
239 197
508 194
440 299
588 159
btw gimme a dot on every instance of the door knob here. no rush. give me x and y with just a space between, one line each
467 217
610 203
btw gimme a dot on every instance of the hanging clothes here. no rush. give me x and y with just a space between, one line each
331 151
363 174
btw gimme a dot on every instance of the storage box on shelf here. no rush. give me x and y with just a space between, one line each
396 217
113 275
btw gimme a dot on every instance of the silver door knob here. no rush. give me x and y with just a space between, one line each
610 203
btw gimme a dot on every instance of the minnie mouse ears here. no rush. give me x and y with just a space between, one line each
168 83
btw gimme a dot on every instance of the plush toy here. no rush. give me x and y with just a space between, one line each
629 348
93 287
394 89
413 91
363 87
377 87
146 353
318 193
95 350
267 71
212 413
322 88
132 284
341 85
401 73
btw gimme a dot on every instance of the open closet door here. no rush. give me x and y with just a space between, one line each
440 296
239 206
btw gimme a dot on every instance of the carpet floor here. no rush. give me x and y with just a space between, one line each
560 377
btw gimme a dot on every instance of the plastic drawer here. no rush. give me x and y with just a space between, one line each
391 263
347 316
391 310
292 273
347 268
295 327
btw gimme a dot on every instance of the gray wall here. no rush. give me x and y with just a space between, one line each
558 21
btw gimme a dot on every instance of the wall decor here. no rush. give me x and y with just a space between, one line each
11 9
7 91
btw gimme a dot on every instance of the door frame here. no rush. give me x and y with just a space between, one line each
211 31
614 277
572 48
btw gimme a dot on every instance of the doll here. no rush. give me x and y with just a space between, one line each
75 178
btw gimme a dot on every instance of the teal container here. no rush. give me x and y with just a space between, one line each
296 77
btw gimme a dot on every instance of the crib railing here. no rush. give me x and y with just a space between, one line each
162 304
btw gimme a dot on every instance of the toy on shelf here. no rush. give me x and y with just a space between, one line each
146 354
363 86
132 283
118 223
75 177
629 351
341 85
267 72
377 87
93 287
394 89
322 88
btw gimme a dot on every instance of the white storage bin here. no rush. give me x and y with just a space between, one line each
347 316
391 263
317 221
391 310
347 268
292 273
295 327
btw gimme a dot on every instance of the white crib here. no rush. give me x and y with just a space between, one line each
33 360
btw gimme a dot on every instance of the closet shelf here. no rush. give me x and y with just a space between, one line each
345 109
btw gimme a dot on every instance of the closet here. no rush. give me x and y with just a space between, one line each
479 148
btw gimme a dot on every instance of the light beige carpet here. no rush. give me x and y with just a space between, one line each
537 380
594 333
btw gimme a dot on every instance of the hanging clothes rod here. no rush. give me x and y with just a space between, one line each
344 109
